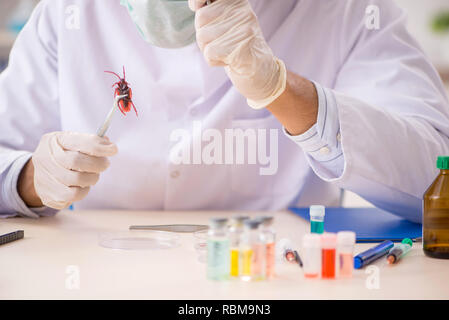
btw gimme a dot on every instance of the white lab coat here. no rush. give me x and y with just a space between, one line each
392 108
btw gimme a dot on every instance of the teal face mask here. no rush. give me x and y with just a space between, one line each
163 23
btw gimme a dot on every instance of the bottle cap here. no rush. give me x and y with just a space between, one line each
252 224
311 240
218 222
238 219
407 241
346 238
317 212
265 220
328 240
358 262
443 163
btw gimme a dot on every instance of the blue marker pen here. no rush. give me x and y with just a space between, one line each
370 255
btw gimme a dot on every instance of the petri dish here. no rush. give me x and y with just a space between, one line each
139 240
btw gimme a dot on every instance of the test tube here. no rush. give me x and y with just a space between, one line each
311 243
345 249
252 252
317 213
328 253
399 250
235 233
268 238
218 250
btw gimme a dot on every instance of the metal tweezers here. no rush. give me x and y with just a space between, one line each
178 228
107 122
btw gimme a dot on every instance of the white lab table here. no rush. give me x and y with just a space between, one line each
59 250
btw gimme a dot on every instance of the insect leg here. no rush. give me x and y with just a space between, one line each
120 107
134 107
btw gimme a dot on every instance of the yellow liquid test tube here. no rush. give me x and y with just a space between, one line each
235 233
247 257
234 262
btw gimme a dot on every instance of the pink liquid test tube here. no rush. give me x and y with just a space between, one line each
345 251
311 245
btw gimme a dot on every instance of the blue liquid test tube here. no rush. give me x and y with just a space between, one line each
317 219
370 255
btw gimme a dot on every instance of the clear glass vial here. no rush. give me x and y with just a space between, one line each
269 239
235 234
252 253
218 250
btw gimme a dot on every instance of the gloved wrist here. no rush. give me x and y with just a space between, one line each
229 35
277 91
25 186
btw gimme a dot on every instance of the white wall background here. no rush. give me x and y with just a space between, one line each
421 13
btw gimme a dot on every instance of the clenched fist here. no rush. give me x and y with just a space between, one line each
67 164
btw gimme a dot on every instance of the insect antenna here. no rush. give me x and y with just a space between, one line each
114 74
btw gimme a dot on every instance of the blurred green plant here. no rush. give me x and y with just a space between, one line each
440 23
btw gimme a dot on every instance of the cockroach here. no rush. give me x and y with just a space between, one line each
122 88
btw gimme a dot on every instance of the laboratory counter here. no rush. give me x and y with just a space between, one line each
60 258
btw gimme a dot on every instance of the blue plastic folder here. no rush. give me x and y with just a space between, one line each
370 224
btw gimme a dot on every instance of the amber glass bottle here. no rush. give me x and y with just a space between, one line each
436 214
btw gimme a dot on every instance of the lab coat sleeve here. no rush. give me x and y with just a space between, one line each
11 203
28 105
393 113
321 143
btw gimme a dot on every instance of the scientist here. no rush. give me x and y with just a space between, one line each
355 101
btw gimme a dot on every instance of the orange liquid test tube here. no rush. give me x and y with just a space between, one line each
328 255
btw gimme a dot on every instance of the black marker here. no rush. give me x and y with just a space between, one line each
10 237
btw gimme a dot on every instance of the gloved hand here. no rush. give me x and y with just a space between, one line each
66 164
229 35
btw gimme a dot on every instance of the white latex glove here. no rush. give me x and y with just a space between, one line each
229 35
66 164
